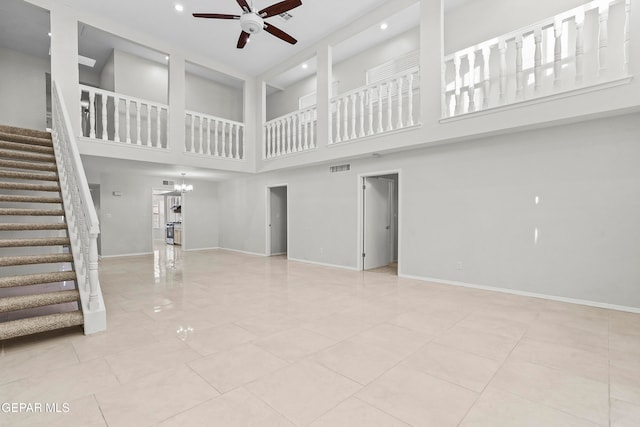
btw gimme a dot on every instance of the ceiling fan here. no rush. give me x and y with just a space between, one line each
252 21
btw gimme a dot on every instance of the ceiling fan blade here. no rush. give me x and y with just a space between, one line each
278 8
279 33
244 5
242 41
215 16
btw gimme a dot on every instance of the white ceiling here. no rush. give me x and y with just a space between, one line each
217 39
24 27
160 170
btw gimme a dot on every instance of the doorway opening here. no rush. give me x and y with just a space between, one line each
378 222
166 217
277 221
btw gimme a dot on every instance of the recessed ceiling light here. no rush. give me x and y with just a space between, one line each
305 66
179 7
49 33
384 26
166 57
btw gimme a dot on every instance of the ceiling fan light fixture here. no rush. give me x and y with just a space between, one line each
251 23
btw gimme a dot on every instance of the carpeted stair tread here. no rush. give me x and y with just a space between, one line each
6 261
23 302
25 155
28 163
37 279
25 139
27 226
11 198
29 175
31 212
21 243
5 185
14 164
16 146
34 325
27 132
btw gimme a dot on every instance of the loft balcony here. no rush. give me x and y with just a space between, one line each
581 49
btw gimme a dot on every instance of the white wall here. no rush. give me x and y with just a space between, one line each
140 78
107 74
22 89
200 216
481 20
349 74
287 101
474 202
89 76
209 97
125 221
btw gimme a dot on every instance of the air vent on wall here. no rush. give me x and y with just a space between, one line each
340 168
166 182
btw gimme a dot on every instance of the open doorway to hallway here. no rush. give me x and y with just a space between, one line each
379 236
277 221
166 217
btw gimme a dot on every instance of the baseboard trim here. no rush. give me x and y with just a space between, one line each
202 249
323 264
242 252
526 294
126 255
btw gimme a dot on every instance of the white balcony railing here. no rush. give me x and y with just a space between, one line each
212 136
109 116
81 217
292 133
377 108
578 48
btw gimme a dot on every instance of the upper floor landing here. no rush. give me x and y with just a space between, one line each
408 74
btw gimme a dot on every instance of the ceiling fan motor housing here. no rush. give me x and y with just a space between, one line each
251 23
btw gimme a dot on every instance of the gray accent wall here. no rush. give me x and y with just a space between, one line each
552 211
23 89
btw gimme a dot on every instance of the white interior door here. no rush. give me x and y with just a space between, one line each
377 222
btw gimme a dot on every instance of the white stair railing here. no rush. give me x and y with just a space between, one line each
213 136
547 57
81 217
113 117
376 108
292 133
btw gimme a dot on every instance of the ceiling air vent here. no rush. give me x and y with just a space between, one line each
339 168
285 16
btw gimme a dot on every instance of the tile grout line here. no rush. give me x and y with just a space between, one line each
267 404
492 377
532 401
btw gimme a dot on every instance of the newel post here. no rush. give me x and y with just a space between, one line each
94 280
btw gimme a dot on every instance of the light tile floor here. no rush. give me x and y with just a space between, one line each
216 338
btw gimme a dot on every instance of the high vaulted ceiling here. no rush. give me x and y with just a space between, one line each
216 39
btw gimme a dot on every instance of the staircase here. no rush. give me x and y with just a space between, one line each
38 289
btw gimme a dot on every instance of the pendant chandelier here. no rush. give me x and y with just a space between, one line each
183 188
